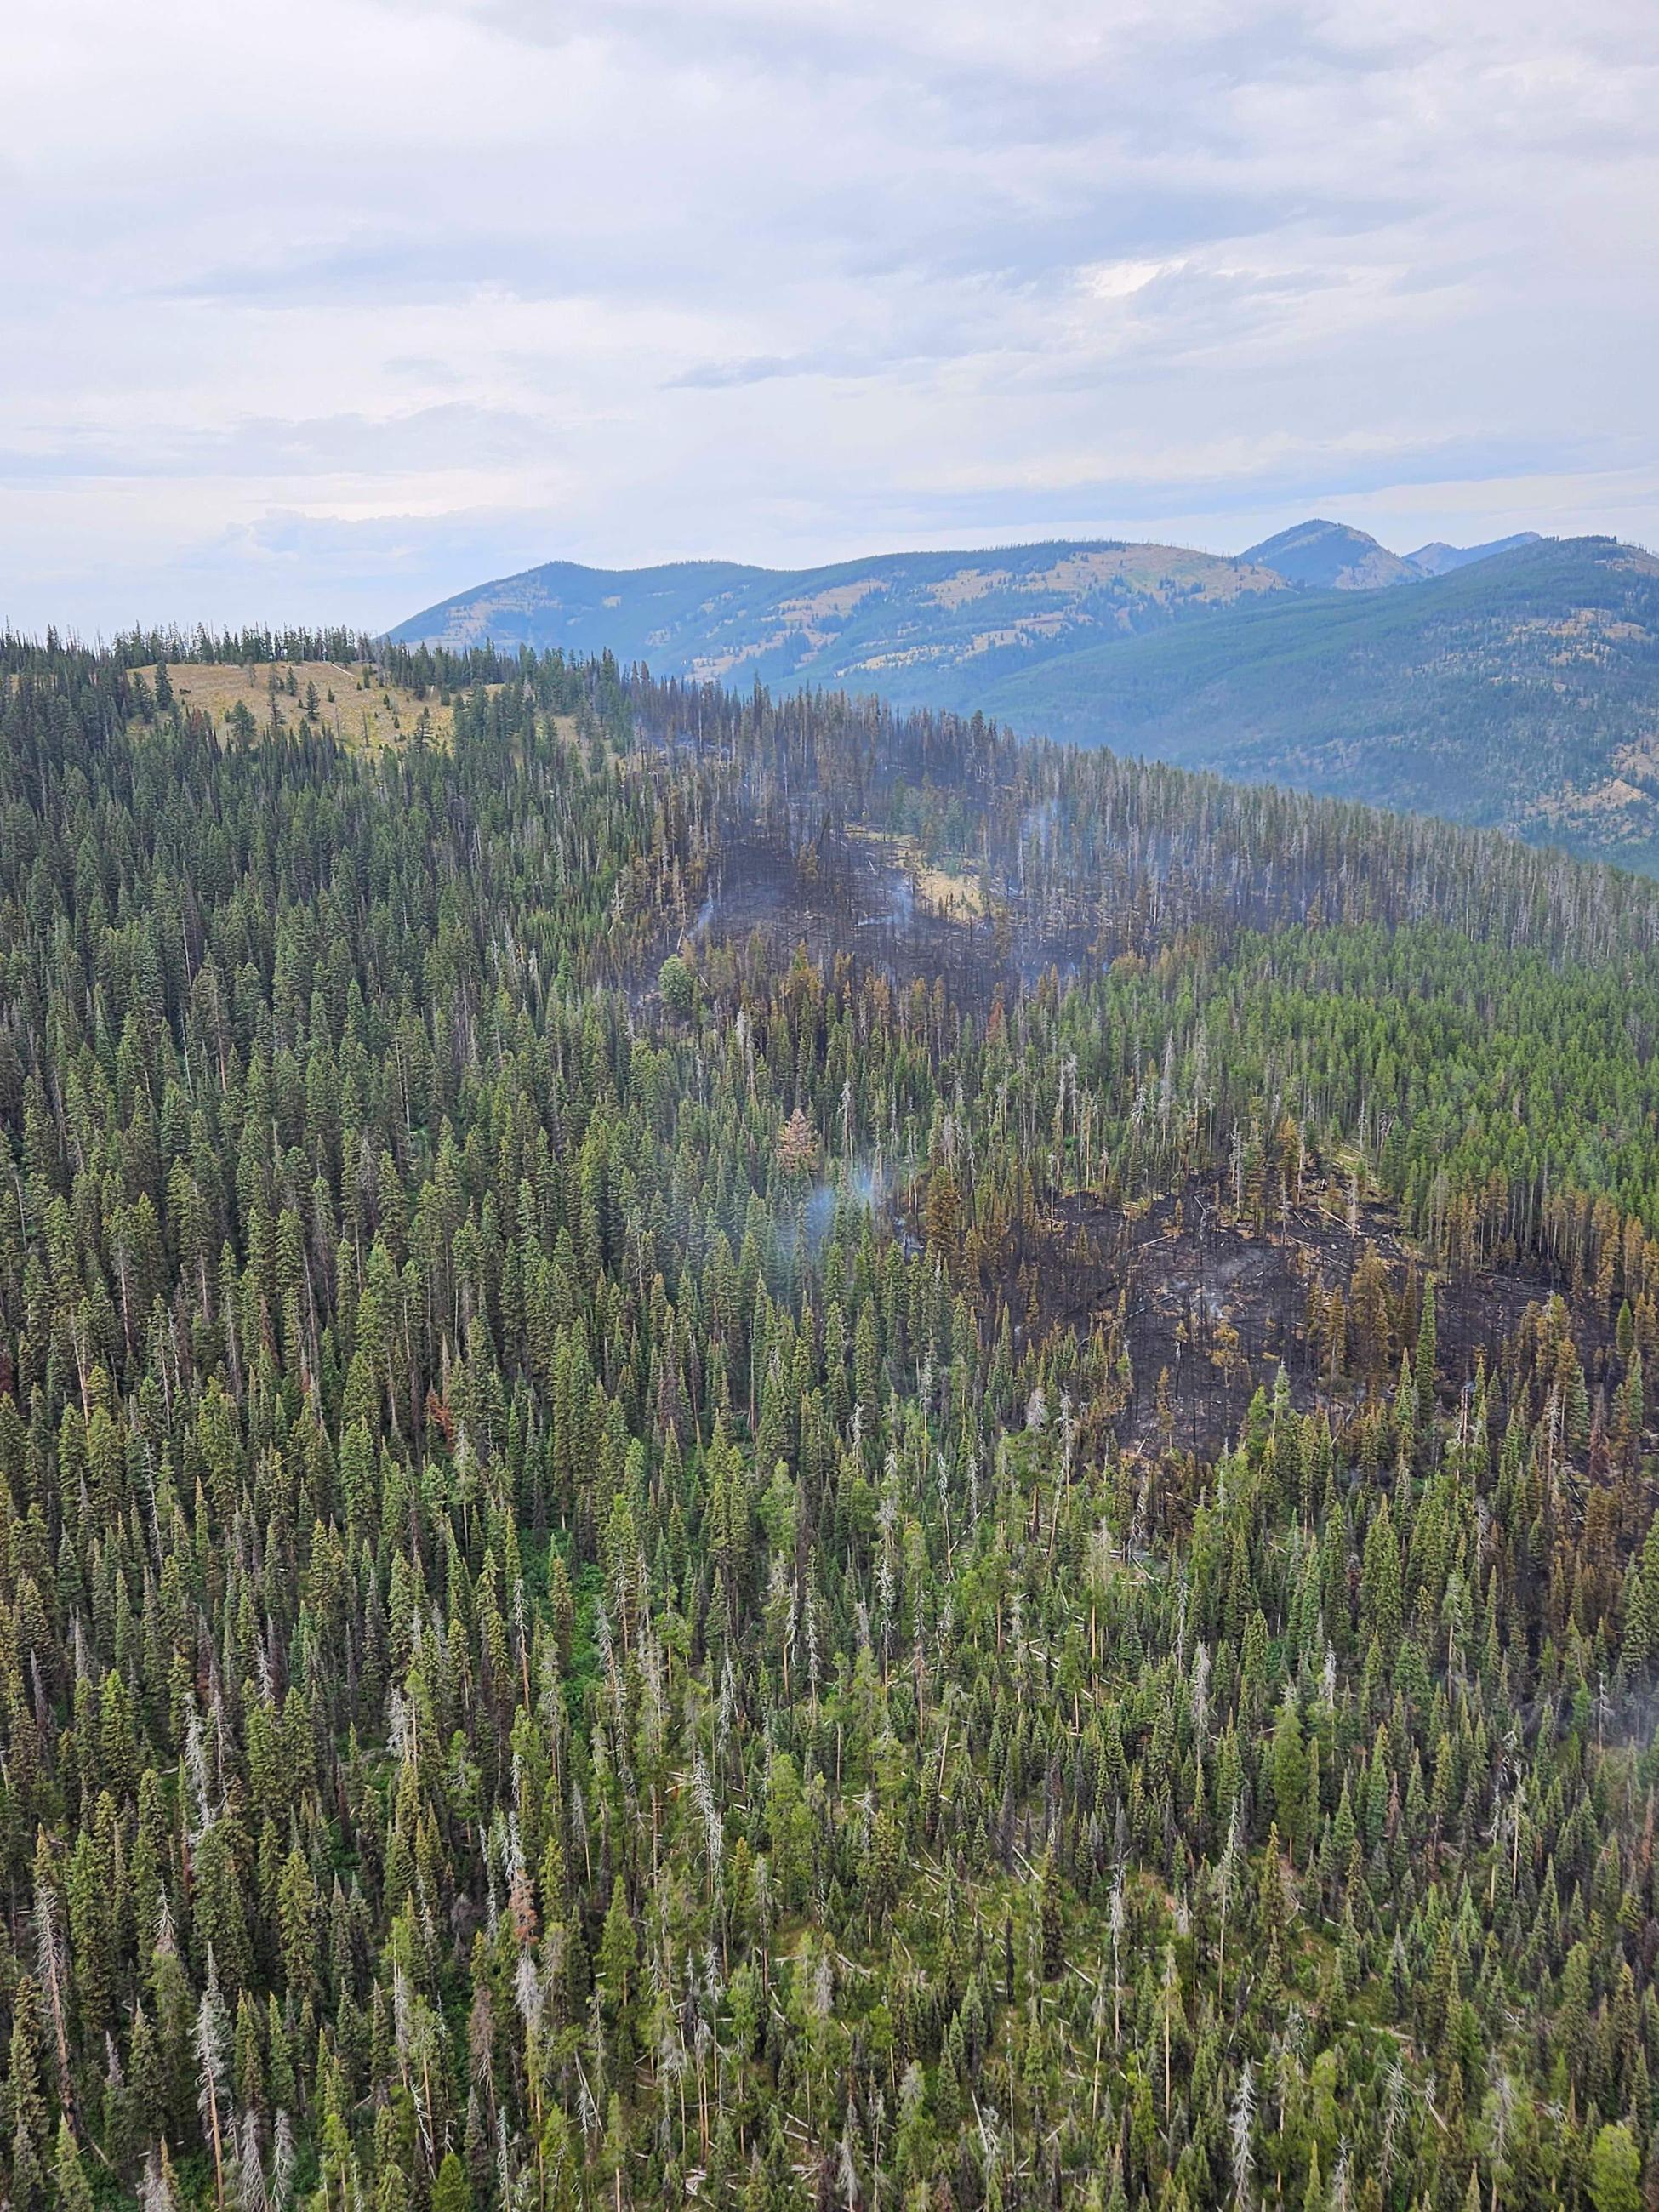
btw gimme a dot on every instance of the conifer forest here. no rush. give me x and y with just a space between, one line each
759 1454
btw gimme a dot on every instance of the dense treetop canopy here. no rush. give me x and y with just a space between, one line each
755 1454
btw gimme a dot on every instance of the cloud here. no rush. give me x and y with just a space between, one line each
328 310
441 437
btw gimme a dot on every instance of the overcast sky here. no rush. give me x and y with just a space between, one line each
331 308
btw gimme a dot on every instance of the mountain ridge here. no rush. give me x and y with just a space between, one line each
862 622
1521 693
715 619
1515 685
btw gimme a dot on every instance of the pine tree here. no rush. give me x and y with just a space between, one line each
72 2192
1052 1915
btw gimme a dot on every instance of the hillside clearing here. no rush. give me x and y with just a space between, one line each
328 694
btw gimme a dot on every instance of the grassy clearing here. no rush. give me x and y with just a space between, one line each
956 895
329 694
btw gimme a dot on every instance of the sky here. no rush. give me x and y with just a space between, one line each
319 313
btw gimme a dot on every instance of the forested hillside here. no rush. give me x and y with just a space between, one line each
1520 692
760 1455
1514 686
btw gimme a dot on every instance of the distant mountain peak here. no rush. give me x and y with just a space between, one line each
1329 556
1439 559
1322 556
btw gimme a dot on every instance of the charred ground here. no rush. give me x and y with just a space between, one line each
1204 1298
1209 1307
